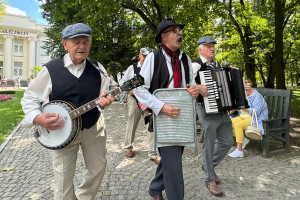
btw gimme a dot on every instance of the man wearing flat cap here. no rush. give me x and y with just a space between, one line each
213 126
73 78
167 67
134 112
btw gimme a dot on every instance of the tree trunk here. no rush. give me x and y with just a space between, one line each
249 62
279 63
270 61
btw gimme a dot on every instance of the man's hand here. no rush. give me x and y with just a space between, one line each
49 121
131 92
193 90
170 110
202 89
105 100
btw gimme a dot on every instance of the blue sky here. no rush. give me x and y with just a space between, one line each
29 8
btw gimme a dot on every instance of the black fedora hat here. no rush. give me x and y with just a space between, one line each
165 24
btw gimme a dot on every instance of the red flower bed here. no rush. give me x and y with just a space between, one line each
4 97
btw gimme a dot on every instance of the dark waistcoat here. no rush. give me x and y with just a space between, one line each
161 74
78 91
203 67
136 69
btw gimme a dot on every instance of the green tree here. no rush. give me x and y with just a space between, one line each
119 24
245 30
3 5
34 71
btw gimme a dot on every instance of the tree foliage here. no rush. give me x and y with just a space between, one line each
3 5
255 35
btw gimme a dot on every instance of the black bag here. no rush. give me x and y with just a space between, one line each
149 119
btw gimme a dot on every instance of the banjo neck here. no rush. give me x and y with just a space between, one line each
92 104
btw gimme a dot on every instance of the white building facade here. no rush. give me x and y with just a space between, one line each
21 46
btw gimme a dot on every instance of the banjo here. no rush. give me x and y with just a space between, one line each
60 138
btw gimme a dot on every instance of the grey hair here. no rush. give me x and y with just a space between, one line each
200 46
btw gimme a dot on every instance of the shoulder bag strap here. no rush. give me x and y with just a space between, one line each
254 115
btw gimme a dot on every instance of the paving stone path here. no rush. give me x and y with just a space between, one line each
26 169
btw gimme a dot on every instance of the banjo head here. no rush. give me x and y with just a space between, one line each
59 138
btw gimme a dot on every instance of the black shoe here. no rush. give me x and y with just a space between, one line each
155 196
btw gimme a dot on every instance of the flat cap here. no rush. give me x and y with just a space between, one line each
145 51
75 30
165 24
206 40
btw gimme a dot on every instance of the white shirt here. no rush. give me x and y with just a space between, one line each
197 66
40 88
129 74
142 93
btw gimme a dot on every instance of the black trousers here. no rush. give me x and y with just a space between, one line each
169 174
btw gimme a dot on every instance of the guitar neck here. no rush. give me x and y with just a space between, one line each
92 104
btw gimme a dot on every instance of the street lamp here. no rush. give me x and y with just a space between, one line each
115 40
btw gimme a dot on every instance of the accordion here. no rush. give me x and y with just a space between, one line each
226 89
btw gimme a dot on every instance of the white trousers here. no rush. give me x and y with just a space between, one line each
134 116
93 144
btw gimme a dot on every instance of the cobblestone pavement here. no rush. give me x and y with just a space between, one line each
26 169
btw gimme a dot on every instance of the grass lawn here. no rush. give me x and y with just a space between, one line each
295 107
11 114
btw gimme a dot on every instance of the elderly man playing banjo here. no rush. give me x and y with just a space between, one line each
75 79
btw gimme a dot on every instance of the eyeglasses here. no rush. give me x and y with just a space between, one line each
175 30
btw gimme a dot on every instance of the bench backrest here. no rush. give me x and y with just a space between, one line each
278 100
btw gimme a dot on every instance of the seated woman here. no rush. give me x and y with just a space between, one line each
240 123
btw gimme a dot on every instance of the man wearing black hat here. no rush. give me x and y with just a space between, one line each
213 125
167 67
73 78
134 112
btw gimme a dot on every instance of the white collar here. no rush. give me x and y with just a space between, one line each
68 62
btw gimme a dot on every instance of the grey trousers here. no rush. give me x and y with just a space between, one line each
169 174
214 126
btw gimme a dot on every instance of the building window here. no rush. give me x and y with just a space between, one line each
43 49
18 47
18 71
1 69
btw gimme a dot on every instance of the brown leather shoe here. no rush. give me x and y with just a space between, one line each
214 189
129 153
217 179
155 196
156 160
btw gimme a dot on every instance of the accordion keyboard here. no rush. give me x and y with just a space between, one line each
210 102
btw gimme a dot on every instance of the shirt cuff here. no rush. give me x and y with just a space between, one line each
28 120
158 106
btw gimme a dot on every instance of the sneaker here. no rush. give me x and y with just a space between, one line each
245 142
236 154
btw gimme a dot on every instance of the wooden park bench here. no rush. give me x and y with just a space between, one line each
277 126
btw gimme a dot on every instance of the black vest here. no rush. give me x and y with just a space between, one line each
161 74
136 69
78 91
203 67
